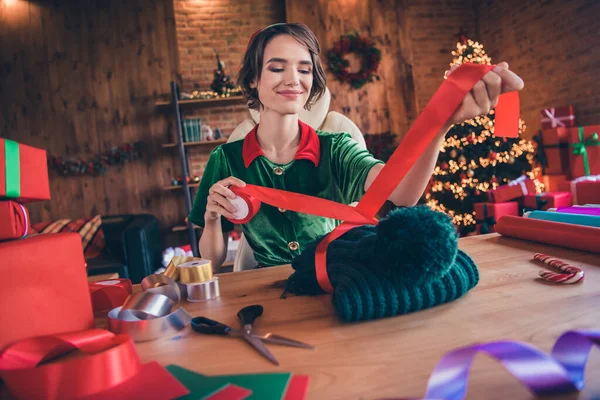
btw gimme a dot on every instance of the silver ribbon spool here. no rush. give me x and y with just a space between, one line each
207 290
148 315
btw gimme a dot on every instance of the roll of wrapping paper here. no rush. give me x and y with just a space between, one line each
147 315
427 126
577 237
577 210
109 294
575 219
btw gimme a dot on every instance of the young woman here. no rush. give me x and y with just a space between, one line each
280 74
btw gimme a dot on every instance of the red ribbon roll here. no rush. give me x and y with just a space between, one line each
109 361
435 114
109 294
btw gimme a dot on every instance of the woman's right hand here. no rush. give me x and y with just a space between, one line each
217 203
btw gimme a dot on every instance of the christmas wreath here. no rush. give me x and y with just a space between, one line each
365 49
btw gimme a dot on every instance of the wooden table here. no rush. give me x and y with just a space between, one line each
394 357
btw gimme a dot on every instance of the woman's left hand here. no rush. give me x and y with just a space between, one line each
485 94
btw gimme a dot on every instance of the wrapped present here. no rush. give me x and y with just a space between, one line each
487 214
546 200
44 287
584 154
558 117
553 151
584 190
14 220
551 182
512 190
23 172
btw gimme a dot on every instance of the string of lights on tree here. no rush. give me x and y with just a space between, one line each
473 161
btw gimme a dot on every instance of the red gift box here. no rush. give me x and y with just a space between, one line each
44 287
584 150
546 200
23 172
553 151
487 214
551 182
512 190
584 190
558 117
14 220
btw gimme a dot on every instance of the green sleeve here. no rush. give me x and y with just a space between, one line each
216 169
350 165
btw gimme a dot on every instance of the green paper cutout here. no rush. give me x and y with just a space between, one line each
264 386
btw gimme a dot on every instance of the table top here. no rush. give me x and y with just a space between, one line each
394 357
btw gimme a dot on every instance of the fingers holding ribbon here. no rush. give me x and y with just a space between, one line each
485 94
219 200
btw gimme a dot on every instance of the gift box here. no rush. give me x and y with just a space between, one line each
584 190
512 190
487 214
553 151
551 182
14 220
558 117
23 172
584 150
44 287
546 200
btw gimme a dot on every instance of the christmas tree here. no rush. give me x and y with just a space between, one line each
473 161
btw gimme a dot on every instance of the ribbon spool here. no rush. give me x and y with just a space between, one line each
195 276
247 206
149 315
109 294
196 279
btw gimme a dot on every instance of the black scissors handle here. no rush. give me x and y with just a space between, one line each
205 325
247 315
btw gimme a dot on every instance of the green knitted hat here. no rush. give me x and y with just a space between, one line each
409 262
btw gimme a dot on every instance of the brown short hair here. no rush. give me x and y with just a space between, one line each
252 62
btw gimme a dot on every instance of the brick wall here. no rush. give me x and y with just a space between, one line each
207 27
555 46
433 25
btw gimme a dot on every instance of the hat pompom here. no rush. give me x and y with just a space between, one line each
416 243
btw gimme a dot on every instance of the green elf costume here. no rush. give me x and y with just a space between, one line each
328 165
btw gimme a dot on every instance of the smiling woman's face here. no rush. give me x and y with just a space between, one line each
287 76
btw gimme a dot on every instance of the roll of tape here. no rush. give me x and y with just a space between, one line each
208 290
149 315
196 271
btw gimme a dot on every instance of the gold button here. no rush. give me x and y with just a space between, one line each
282 210
293 246
278 171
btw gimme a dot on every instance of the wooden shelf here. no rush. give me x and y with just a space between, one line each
181 228
219 101
176 187
202 143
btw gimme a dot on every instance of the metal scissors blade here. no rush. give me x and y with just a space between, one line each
257 343
282 340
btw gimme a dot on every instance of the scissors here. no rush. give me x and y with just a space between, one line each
247 316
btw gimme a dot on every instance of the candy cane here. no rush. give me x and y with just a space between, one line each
571 274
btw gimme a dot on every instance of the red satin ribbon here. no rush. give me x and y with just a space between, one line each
436 113
108 361
107 297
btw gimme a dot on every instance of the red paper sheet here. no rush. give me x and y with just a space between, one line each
230 392
297 388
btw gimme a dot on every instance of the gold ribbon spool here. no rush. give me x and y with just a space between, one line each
189 269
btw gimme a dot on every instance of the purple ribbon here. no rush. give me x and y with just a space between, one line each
560 372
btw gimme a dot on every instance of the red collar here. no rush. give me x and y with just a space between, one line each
309 147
